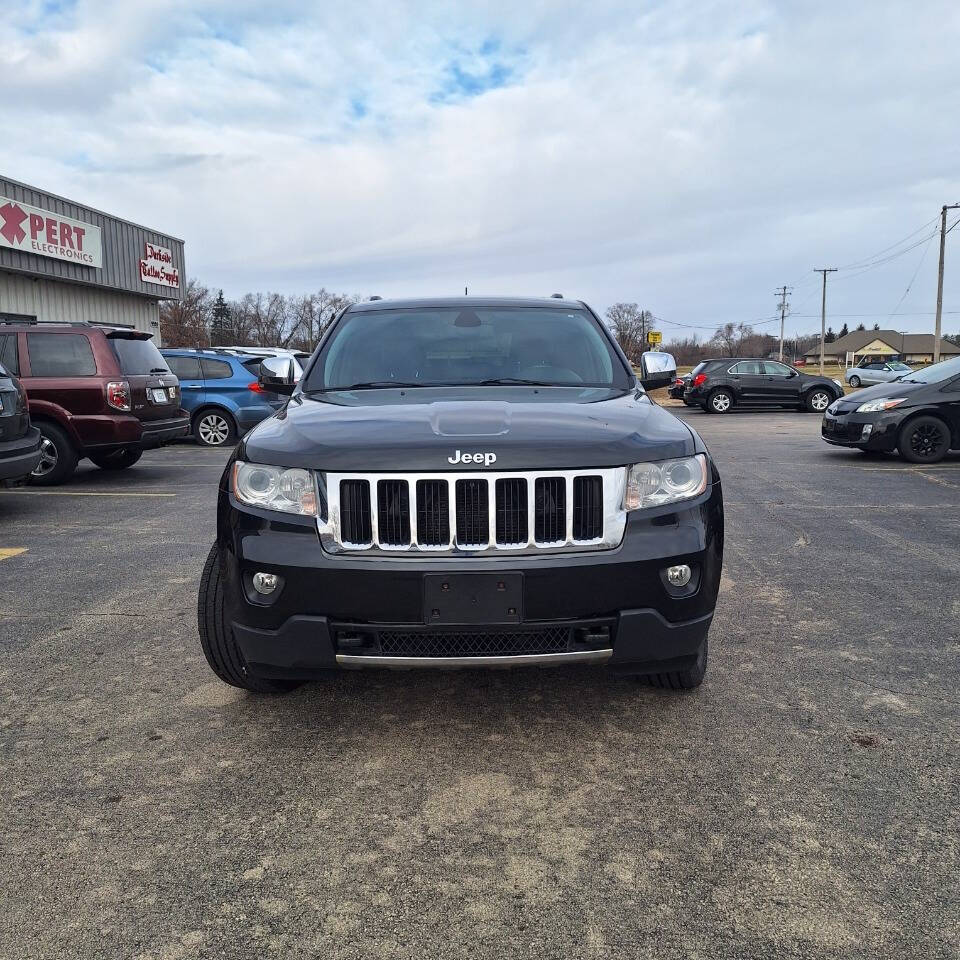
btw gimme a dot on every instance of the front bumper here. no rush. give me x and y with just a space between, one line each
19 457
866 431
612 606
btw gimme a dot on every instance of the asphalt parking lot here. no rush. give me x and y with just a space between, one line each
803 803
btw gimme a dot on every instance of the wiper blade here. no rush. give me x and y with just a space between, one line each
371 385
159 370
518 381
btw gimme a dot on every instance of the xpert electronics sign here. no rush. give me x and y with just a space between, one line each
33 230
157 267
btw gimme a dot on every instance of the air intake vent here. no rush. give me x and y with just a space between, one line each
393 512
512 510
355 511
473 515
587 508
550 510
433 513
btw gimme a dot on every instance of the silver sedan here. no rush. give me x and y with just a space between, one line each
878 372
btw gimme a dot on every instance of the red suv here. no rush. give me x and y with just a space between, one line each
104 393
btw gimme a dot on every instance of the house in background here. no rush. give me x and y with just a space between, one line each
914 348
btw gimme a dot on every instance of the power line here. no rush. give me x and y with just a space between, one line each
893 246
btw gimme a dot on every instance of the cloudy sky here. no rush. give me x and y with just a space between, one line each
688 155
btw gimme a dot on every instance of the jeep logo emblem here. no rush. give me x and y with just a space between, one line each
485 458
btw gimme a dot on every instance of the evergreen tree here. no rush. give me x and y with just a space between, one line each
861 327
876 326
829 336
843 331
220 323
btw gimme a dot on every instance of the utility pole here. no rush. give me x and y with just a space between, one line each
823 310
943 244
782 293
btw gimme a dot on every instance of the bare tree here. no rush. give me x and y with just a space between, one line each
186 322
629 325
730 338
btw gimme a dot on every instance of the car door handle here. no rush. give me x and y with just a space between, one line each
189 386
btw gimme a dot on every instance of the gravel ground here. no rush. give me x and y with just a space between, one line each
803 803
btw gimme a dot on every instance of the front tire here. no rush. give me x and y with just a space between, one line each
687 679
214 428
818 400
58 458
221 650
855 382
720 401
116 459
924 440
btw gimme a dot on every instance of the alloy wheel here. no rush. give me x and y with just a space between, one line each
721 403
48 458
927 440
213 430
819 401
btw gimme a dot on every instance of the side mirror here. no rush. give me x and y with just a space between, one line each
657 369
277 374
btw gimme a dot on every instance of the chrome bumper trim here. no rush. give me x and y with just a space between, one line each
517 660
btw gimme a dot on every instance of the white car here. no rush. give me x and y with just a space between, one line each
876 372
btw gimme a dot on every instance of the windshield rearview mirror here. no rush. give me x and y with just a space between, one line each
277 374
657 369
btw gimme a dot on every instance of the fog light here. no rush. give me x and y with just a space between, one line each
267 582
867 430
679 576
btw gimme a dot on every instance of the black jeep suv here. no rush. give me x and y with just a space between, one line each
19 441
464 482
720 385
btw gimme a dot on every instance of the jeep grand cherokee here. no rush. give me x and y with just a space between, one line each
464 482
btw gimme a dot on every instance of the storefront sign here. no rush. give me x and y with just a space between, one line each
157 267
47 234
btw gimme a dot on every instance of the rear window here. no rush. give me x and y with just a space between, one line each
698 368
60 355
138 356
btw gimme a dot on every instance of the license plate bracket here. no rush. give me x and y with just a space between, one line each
158 394
471 598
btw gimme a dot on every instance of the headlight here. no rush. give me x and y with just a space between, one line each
666 481
875 406
839 383
274 488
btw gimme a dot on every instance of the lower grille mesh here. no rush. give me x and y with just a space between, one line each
396 643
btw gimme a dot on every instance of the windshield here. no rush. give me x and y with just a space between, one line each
935 374
482 346
138 356
899 366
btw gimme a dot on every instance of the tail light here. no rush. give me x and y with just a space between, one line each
118 394
254 385
678 382
699 380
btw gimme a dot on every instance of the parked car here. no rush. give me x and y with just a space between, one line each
719 385
679 387
222 393
99 392
917 415
300 356
491 486
19 441
871 372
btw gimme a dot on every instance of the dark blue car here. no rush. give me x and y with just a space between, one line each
222 393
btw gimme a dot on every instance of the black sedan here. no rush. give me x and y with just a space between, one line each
919 415
720 385
679 386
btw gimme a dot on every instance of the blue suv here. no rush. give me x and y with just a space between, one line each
222 393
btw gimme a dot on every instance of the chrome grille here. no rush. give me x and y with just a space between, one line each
475 512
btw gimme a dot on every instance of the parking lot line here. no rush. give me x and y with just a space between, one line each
84 493
7 552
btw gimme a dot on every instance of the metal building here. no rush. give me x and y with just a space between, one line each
62 261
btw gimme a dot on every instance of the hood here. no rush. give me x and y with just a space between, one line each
882 390
378 430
